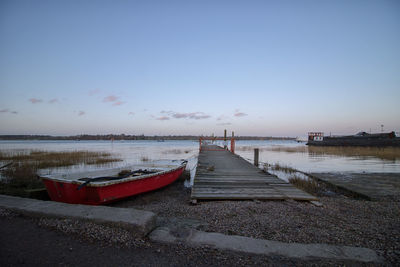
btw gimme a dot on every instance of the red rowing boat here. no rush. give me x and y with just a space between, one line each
92 189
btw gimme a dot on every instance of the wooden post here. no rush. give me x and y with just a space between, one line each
256 152
225 139
200 140
233 143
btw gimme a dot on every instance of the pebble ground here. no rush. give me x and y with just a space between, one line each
341 221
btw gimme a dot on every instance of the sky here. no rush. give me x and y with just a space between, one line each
259 68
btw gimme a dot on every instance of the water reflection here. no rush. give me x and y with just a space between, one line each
322 159
289 153
131 152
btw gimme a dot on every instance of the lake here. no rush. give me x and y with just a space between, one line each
288 153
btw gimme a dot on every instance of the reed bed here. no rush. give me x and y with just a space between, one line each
280 167
386 153
309 185
173 151
144 158
46 159
22 173
176 151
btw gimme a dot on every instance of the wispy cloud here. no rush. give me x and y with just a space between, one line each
118 103
198 116
35 100
189 115
114 100
81 113
162 118
131 113
94 92
224 123
239 114
222 117
54 100
6 110
110 98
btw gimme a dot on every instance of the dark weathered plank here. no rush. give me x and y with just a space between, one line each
223 175
239 196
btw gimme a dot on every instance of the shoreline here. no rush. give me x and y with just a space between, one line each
77 243
126 137
341 221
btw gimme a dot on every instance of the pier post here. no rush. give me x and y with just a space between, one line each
256 153
233 143
225 146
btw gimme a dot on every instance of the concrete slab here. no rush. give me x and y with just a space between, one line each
266 247
372 186
138 221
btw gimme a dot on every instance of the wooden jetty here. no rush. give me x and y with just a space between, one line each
222 175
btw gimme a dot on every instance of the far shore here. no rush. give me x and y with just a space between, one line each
131 137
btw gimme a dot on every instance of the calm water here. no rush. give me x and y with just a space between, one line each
311 162
133 152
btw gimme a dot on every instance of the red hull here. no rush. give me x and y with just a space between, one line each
96 195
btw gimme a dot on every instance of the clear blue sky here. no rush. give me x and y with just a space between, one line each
279 68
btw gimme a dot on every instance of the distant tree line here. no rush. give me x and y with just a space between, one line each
129 137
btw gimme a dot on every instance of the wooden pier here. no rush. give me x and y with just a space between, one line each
222 175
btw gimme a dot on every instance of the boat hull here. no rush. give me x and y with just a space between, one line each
64 191
360 139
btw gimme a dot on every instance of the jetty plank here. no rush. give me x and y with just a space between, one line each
222 175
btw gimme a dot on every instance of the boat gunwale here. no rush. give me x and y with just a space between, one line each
119 181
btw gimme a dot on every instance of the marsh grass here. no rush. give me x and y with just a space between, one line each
387 153
173 151
309 185
176 151
280 167
44 159
144 158
22 173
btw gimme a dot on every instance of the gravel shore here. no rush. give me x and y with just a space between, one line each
29 241
341 221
